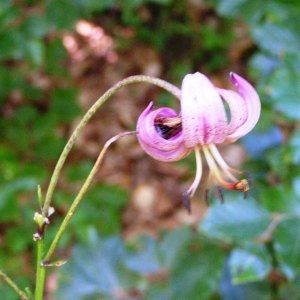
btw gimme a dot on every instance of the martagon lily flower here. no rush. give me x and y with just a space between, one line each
203 122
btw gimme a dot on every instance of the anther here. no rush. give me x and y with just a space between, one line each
220 194
168 127
186 202
242 185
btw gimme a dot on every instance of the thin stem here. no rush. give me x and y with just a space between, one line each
11 283
40 271
80 195
132 79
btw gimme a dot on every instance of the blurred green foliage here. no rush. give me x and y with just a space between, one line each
243 249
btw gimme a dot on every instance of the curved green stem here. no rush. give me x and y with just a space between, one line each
80 195
132 79
11 283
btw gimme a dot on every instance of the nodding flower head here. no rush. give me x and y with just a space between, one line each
201 124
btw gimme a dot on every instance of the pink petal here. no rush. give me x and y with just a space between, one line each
238 109
153 143
253 107
203 113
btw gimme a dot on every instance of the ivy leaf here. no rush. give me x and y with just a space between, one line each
93 270
246 291
146 261
235 221
197 271
287 245
281 198
269 138
275 37
247 267
295 146
172 245
284 90
290 290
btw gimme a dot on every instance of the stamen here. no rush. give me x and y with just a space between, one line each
186 202
242 185
192 189
170 122
222 163
168 127
217 165
213 167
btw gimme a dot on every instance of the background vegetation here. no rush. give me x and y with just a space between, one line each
57 57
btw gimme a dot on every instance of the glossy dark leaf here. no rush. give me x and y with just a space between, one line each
146 261
247 291
235 221
93 270
197 271
281 198
267 139
247 267
287 245
284 90
295 147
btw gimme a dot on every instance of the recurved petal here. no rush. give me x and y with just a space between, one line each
202 111
151 140
253 107
238 109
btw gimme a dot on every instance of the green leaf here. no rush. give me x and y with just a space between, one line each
63 104
93 270
101 207
284 89
34 27
290 290
146 261
197 270
79 171
247 291
35 52
281 198
55 53
295 146
287 245
8 196
92 6
247 267
249 9
235 221
56 15
274 38
172 244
